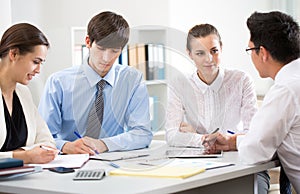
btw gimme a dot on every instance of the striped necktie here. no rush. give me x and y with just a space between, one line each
96 113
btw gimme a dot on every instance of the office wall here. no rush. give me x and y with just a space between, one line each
5 15
229 17
56 17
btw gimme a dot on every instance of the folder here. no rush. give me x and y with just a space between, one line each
12 173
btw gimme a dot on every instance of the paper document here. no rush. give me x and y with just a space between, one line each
67 161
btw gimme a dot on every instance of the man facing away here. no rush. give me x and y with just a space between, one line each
123 121
275 129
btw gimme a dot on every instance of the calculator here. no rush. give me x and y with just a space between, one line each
89 174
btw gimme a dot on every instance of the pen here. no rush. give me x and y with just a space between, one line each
230 132
215 131
79 136
114 165
48 148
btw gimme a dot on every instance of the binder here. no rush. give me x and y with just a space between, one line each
10 163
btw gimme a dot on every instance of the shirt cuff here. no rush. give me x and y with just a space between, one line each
111 146
239 139
60 143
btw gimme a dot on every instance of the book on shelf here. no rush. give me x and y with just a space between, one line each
147 58
161 61
141 58
123 58
132 56
10 163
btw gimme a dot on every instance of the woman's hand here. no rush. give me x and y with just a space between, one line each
36 155
186 128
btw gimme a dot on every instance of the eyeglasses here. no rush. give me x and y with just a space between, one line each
249 50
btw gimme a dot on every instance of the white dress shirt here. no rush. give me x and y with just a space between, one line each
276 126
228 103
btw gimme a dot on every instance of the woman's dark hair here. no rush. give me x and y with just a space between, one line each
201 31
277 32
108 30
22 36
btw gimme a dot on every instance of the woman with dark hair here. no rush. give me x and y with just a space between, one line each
23 49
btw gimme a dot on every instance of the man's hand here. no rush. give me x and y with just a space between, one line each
77 147
95 144
186 128
218 141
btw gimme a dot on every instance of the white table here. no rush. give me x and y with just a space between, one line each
237 179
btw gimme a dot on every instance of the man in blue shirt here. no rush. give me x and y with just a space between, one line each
70 94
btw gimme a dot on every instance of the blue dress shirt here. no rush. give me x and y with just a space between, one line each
70 93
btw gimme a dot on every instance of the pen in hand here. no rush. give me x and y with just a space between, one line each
79 136
48 148
212 138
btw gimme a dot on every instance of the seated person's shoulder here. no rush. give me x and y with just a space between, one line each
65 74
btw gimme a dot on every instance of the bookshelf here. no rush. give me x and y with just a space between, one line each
155 39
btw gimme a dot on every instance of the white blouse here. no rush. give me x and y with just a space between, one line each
228 103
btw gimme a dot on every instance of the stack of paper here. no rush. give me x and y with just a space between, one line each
67 161
10 173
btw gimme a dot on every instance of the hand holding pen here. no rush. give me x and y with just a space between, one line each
210 138
219 142
50 149
97 145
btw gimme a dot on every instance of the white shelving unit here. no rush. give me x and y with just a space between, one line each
77 39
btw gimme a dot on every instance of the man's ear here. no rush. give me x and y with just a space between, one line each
265 53
88 43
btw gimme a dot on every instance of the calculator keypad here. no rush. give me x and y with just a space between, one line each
89 174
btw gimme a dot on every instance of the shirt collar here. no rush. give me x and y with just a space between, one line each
287 70
215 86
93 77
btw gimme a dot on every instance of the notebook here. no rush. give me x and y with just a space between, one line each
191 153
